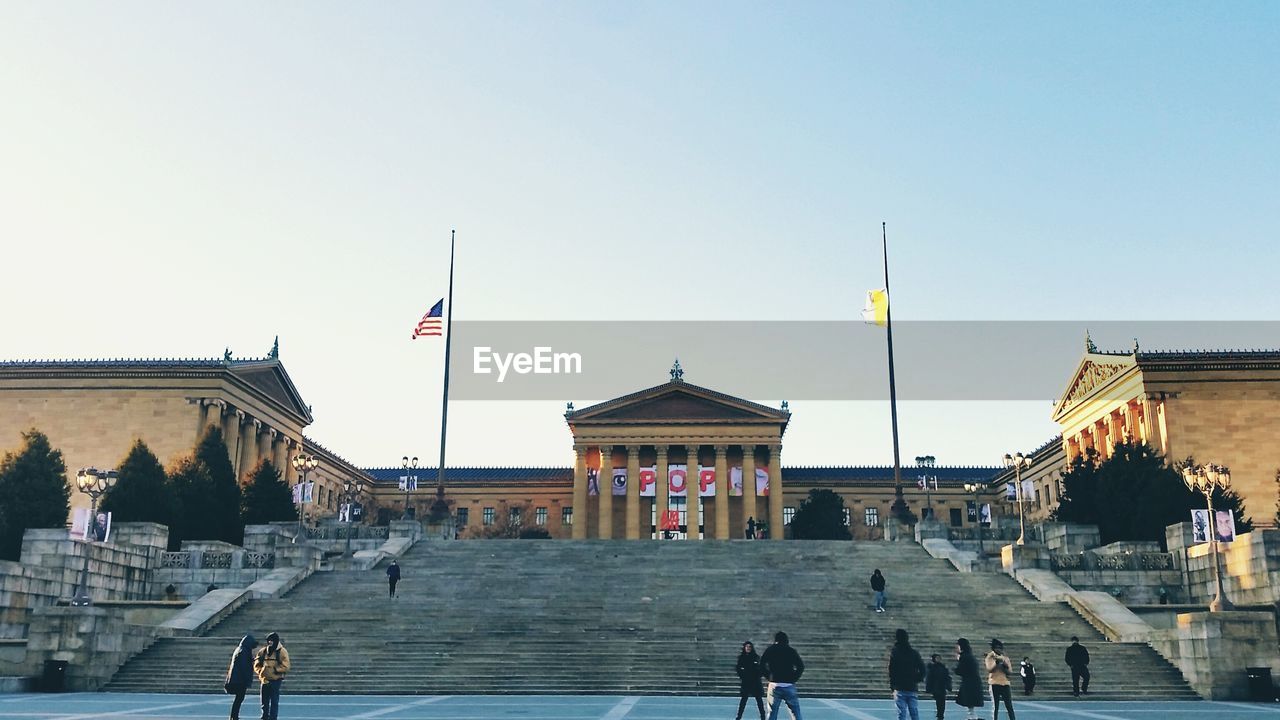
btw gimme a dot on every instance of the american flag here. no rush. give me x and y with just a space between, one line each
430 324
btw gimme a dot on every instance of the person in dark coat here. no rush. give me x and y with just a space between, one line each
906 670
393 577
1077 658
782 666
1028 673
937 683
970 694
751 528
240 673
748 670
877 586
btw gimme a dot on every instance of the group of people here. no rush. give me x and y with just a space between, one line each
269 664
780 666
756 530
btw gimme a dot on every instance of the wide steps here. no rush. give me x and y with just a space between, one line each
597 617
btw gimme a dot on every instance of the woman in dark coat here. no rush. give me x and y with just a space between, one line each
240 673
970 694
749 677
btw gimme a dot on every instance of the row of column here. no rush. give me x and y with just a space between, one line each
661 496
1137 420
249 439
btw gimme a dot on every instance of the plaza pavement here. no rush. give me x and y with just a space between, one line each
120 706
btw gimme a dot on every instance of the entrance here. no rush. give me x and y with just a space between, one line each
680 505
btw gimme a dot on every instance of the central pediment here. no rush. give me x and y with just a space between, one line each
679 402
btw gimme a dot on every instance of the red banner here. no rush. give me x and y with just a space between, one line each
670 520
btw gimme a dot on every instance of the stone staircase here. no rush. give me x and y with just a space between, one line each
656 618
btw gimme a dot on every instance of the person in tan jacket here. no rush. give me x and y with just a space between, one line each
999 668
271 664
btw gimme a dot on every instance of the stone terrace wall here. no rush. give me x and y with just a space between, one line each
22 589
1250 567
116 572
207 562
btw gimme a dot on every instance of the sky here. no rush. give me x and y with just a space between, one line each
177 178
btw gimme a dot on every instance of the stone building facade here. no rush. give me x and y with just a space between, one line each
1216 406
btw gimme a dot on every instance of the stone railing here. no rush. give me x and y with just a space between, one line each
342 532
187 560
1119 561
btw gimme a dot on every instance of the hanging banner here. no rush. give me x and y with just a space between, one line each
971 508
619 481
986 514
706 481
87 527
735 481
1028 491
670 520
1010 492
1199 526
762 481
593 481
649 481
678 480
308 493
408 482
1226 525
297 494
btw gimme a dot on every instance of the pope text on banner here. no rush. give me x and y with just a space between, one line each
677 476
706 481
649 481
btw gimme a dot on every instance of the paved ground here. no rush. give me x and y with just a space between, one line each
86 706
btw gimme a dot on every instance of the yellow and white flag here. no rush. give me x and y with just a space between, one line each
877 310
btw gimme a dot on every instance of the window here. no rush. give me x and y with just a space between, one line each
516 515
872 517
540 516
790 512
848 517
956 517
488 516
566 515
463 516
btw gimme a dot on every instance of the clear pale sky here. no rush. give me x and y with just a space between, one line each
176 178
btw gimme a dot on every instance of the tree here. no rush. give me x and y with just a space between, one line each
142 492
33 483
1134 494
820 517
224 500
192 490
266 498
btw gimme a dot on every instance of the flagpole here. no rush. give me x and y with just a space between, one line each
439 508
893 390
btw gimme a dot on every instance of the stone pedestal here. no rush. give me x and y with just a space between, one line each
1070 538
299 556
930 530
411 529
1024 557
1213 649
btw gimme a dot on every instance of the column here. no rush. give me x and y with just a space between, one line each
605 481
265 436
633 492
1131 421
288 473
722 492
248 446
231 432
580 492
278 454
691 484
748 484
210 414
775 493
663 487
1150 425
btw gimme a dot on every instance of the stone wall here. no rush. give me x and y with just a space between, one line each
94 641
1213 650
1069 537
207 562
116 572
1250 569
23 589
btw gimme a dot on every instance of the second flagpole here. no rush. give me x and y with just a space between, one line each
440 508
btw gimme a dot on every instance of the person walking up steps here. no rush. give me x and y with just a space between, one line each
906 670
999 668
970 694
1028 672
393 577
748 670
1078 658
877 586
782 665
937 682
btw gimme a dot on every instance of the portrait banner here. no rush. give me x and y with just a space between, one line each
762 481
678 480
619 481
1226 525
706 481
593 481
1200 526
649 481
735 481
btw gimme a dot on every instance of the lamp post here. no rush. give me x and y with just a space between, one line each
351 490
1206 479
303 464
976 490
1018 463
410 476
926 465
92 482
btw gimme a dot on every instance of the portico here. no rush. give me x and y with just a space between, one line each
711 459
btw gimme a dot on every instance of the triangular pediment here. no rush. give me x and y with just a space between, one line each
678 402
271 380
1095 371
